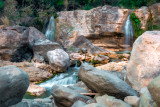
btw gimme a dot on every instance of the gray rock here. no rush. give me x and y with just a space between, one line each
154 89
78 104
78 89
14 45
145 98
95 105
104 82
58 59
21 104
65 97
33 103
14 83
42 46
82 42
111 101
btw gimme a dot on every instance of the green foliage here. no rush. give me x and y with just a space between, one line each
1 4
93 62
87 7
136 25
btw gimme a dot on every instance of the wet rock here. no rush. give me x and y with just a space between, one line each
65 97
104 82
144 64
154 89
14 84
110 101
132 100
58 59
36 90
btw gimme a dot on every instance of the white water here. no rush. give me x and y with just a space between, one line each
65 79
51 29
129 33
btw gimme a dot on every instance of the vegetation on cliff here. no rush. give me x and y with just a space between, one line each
136 25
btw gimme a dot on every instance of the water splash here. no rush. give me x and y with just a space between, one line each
51 29
68 78
129 33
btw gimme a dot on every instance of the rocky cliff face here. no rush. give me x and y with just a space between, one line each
102 25
143 14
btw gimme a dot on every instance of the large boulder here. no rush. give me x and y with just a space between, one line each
35 73
14 44
18 43
42 46
14 83
65 97
144 64
104 82
82 42
58 59
102 25
154 88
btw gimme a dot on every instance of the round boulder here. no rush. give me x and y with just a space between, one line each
58 59
14 83
144 64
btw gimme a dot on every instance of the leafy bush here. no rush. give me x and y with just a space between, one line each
1 4
136 25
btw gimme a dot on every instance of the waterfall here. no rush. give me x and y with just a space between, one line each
128 30
51 29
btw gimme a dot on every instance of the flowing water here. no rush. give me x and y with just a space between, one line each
68 78
129 32
51 29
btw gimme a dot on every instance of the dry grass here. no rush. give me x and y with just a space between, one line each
5 21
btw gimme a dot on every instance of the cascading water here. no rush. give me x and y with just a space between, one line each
128 30
51 29
68 78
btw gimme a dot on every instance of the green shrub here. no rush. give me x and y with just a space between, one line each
1 4
136 25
